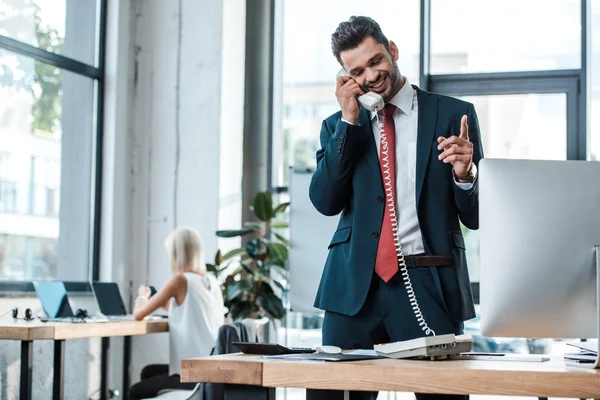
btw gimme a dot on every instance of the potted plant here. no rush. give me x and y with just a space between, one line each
256 273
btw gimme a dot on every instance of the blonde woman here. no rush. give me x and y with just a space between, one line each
195 304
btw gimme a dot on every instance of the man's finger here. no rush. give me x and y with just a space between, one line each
351 86
456 157
354 90
341 81
455 150
464 128
450 141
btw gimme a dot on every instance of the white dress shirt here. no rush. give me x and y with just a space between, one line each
406 124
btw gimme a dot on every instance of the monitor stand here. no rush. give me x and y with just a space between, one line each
595 364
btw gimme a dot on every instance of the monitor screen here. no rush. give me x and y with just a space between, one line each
109 298
539 227
53 296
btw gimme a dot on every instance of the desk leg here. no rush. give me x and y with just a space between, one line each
26 368
59 370
104 368
126 365
244 392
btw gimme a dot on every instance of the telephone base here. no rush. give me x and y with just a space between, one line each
432 348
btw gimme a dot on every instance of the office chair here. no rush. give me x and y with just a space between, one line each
179 394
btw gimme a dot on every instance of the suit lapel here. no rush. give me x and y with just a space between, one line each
364 119
427 119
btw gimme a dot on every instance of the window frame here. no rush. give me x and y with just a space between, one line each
573 82
97 73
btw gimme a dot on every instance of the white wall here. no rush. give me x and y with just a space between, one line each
174 138
161 168
115 242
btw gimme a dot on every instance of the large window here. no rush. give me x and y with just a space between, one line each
469 36
522 64
305 95
50 89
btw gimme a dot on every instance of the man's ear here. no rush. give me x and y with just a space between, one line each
393 50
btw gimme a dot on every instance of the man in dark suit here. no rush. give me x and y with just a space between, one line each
402 179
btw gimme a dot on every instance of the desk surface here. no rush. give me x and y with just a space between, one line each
540 379
36 330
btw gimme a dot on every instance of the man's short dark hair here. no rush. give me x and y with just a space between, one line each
349 34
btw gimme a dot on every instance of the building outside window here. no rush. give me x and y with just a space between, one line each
50 81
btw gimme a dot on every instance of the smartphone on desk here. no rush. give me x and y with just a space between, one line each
370 101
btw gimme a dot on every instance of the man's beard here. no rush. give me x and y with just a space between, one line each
395 79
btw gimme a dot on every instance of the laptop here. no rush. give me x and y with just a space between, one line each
110 301
53 296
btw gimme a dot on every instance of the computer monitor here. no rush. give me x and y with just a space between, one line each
539 222
53 296
109 298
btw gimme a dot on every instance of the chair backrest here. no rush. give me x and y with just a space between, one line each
256 328
244 331
180 394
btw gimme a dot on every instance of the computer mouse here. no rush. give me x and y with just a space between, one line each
328 349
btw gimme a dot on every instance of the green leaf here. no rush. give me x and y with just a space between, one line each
282 239
237 288
280 208
212 268
234 233
278 253
247 267
263 206
235 272
263 275
270 302
256 248
218 258
256 226
279 224
233 253
281 268
279 285
241 309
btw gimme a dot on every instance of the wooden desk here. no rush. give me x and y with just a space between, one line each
27 332
538 379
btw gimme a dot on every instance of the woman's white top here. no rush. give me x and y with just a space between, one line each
193 325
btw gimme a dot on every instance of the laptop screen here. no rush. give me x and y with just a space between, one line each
53 296
109 298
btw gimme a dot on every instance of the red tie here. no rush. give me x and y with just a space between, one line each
386 263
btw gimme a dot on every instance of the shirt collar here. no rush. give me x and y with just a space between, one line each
403 99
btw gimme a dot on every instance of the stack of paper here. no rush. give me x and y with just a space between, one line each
588 351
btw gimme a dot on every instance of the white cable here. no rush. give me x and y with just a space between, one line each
391 204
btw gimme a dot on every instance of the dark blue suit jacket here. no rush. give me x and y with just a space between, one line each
348 180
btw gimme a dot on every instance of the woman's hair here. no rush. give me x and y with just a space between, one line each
186 251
